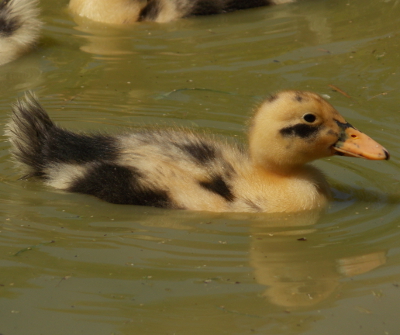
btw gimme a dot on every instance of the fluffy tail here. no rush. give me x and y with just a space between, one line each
43 148
30 130
19 28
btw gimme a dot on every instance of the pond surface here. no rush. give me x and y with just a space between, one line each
71 264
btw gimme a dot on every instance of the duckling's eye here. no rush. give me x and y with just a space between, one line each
309 118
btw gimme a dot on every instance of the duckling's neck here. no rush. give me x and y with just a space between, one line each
283 170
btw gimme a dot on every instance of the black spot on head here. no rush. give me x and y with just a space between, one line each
298 98
120 185
200 151
218 185
300 130
272 97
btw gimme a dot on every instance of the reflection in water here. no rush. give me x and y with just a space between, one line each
20 76
103 39
296 270
286 252
106 45
85 257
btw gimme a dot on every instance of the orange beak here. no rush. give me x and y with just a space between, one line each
354 143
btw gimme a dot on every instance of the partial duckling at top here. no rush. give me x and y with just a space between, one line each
129 11
19 28
177 168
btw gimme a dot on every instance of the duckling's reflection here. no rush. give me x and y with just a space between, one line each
295 268
20 76
298 264
106 40
102 39
298 267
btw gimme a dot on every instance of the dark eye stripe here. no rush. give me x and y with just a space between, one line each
300 130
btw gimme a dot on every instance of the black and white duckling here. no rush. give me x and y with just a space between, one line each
129 11
175 168
19 28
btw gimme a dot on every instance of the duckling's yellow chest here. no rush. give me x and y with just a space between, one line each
266 192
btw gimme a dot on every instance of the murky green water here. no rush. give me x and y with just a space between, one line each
71 264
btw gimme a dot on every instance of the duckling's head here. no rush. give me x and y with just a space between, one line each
292 128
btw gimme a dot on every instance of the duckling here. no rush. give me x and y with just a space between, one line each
177 168
19 28
129 11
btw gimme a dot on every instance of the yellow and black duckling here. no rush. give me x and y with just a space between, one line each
183 170
129 11
19 28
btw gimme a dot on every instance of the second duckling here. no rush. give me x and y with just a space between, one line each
129 11
19 28
183 170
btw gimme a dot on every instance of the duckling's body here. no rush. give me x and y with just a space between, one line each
183 170
19 28
129 11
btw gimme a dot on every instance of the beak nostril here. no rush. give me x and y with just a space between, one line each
354 136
